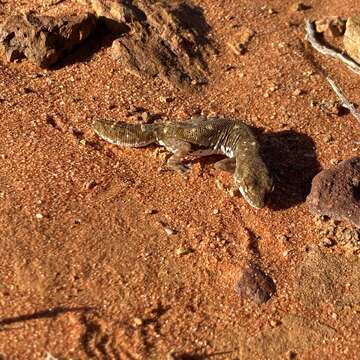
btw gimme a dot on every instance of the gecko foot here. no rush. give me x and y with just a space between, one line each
182 169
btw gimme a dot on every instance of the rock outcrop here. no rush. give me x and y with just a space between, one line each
169 40
44 40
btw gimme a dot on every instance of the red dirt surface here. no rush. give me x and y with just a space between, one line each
87 269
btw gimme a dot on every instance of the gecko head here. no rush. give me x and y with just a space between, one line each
254 183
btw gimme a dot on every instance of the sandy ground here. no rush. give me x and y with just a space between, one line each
87 269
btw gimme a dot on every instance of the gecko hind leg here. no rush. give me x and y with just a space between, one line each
179 149
227 164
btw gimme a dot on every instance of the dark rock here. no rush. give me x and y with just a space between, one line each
255 285
44 40
336 192
169 40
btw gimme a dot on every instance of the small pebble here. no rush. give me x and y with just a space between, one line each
229 67
90 185
274 323
334 161
282 238
234 192
169 231
39 216
291 355
50 356
165 99
219 184
298 92
138 321
285 253
183 251
273 88
327 242
215 211
27 90
299 6
328 138
145 116
150 211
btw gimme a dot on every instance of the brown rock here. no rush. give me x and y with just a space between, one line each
167 40
352 38
336 192
255 285
44 40
333 25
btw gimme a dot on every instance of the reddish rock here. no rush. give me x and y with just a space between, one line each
336 192
255 285
44 40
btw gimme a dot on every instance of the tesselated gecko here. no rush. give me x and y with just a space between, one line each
200 137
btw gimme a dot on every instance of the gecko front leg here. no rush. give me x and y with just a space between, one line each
179 149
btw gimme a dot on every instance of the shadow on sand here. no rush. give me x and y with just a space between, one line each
291 158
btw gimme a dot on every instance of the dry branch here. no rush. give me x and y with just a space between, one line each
344 101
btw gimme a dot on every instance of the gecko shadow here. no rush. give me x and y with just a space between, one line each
292 160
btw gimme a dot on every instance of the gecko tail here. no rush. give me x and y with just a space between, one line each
124 134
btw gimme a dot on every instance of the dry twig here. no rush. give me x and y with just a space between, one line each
344 101
311 37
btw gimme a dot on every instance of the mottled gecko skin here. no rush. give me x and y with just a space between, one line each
220 136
